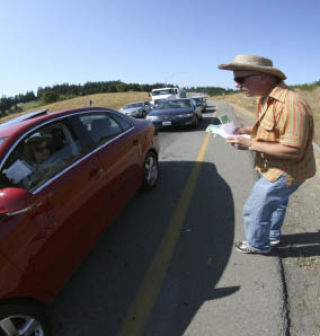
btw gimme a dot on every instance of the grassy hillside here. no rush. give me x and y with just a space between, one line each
111 100
247 106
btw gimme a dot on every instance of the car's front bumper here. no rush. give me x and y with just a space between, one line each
167 122
135 114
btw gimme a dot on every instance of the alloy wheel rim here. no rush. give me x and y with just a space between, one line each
151 170
21 325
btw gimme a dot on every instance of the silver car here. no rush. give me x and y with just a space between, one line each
200 102
137 110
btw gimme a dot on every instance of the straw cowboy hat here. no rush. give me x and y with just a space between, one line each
253 63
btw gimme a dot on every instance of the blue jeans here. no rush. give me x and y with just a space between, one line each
264 212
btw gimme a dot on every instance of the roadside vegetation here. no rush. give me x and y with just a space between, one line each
60 92
112 100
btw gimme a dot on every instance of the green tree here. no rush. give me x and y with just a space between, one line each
5 104
49 97
122 87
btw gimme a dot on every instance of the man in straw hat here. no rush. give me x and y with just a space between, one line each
282 141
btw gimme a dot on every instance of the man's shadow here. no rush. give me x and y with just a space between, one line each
305 244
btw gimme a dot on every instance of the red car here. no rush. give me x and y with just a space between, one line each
63 177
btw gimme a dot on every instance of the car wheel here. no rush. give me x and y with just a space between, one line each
150 171
23 318
195 122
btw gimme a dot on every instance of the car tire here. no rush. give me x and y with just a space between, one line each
150 171
195 122
23 318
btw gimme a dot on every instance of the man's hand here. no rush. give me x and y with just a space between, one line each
239 142
240 130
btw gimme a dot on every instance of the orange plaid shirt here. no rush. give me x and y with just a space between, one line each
286 119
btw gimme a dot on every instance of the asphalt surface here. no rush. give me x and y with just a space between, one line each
167 265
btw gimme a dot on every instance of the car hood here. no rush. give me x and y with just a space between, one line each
168 96
131 109
171 111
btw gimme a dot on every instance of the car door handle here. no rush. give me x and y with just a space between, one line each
95 172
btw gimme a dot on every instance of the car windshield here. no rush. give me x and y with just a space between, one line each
162 92
174 104
133 105
199 99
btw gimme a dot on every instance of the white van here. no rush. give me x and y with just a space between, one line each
166 93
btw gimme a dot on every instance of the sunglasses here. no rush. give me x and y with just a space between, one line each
241 80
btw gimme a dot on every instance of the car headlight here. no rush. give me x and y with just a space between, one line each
152 117
185 115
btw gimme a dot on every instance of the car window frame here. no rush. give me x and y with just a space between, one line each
83 142
91 144
25 135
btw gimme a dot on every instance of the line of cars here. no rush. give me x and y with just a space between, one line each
169 112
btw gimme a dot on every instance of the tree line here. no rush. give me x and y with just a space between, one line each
210 90
50 94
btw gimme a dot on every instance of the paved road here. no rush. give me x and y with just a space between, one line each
166 266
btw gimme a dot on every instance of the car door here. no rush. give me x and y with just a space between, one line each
118 149
48 241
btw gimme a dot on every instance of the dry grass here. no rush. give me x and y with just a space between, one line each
247 106
111 100
313 98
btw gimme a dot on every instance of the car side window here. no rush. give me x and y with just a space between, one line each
124 123
100 127
41 155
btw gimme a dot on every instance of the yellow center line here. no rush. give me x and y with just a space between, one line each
141 307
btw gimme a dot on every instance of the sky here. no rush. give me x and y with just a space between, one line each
182 42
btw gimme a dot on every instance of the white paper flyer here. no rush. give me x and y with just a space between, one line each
225 129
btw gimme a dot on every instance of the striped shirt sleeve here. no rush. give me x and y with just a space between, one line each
294 122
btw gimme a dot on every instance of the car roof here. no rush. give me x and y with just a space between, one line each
22 118
141 101
163 89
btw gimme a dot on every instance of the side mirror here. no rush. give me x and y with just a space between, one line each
13 200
